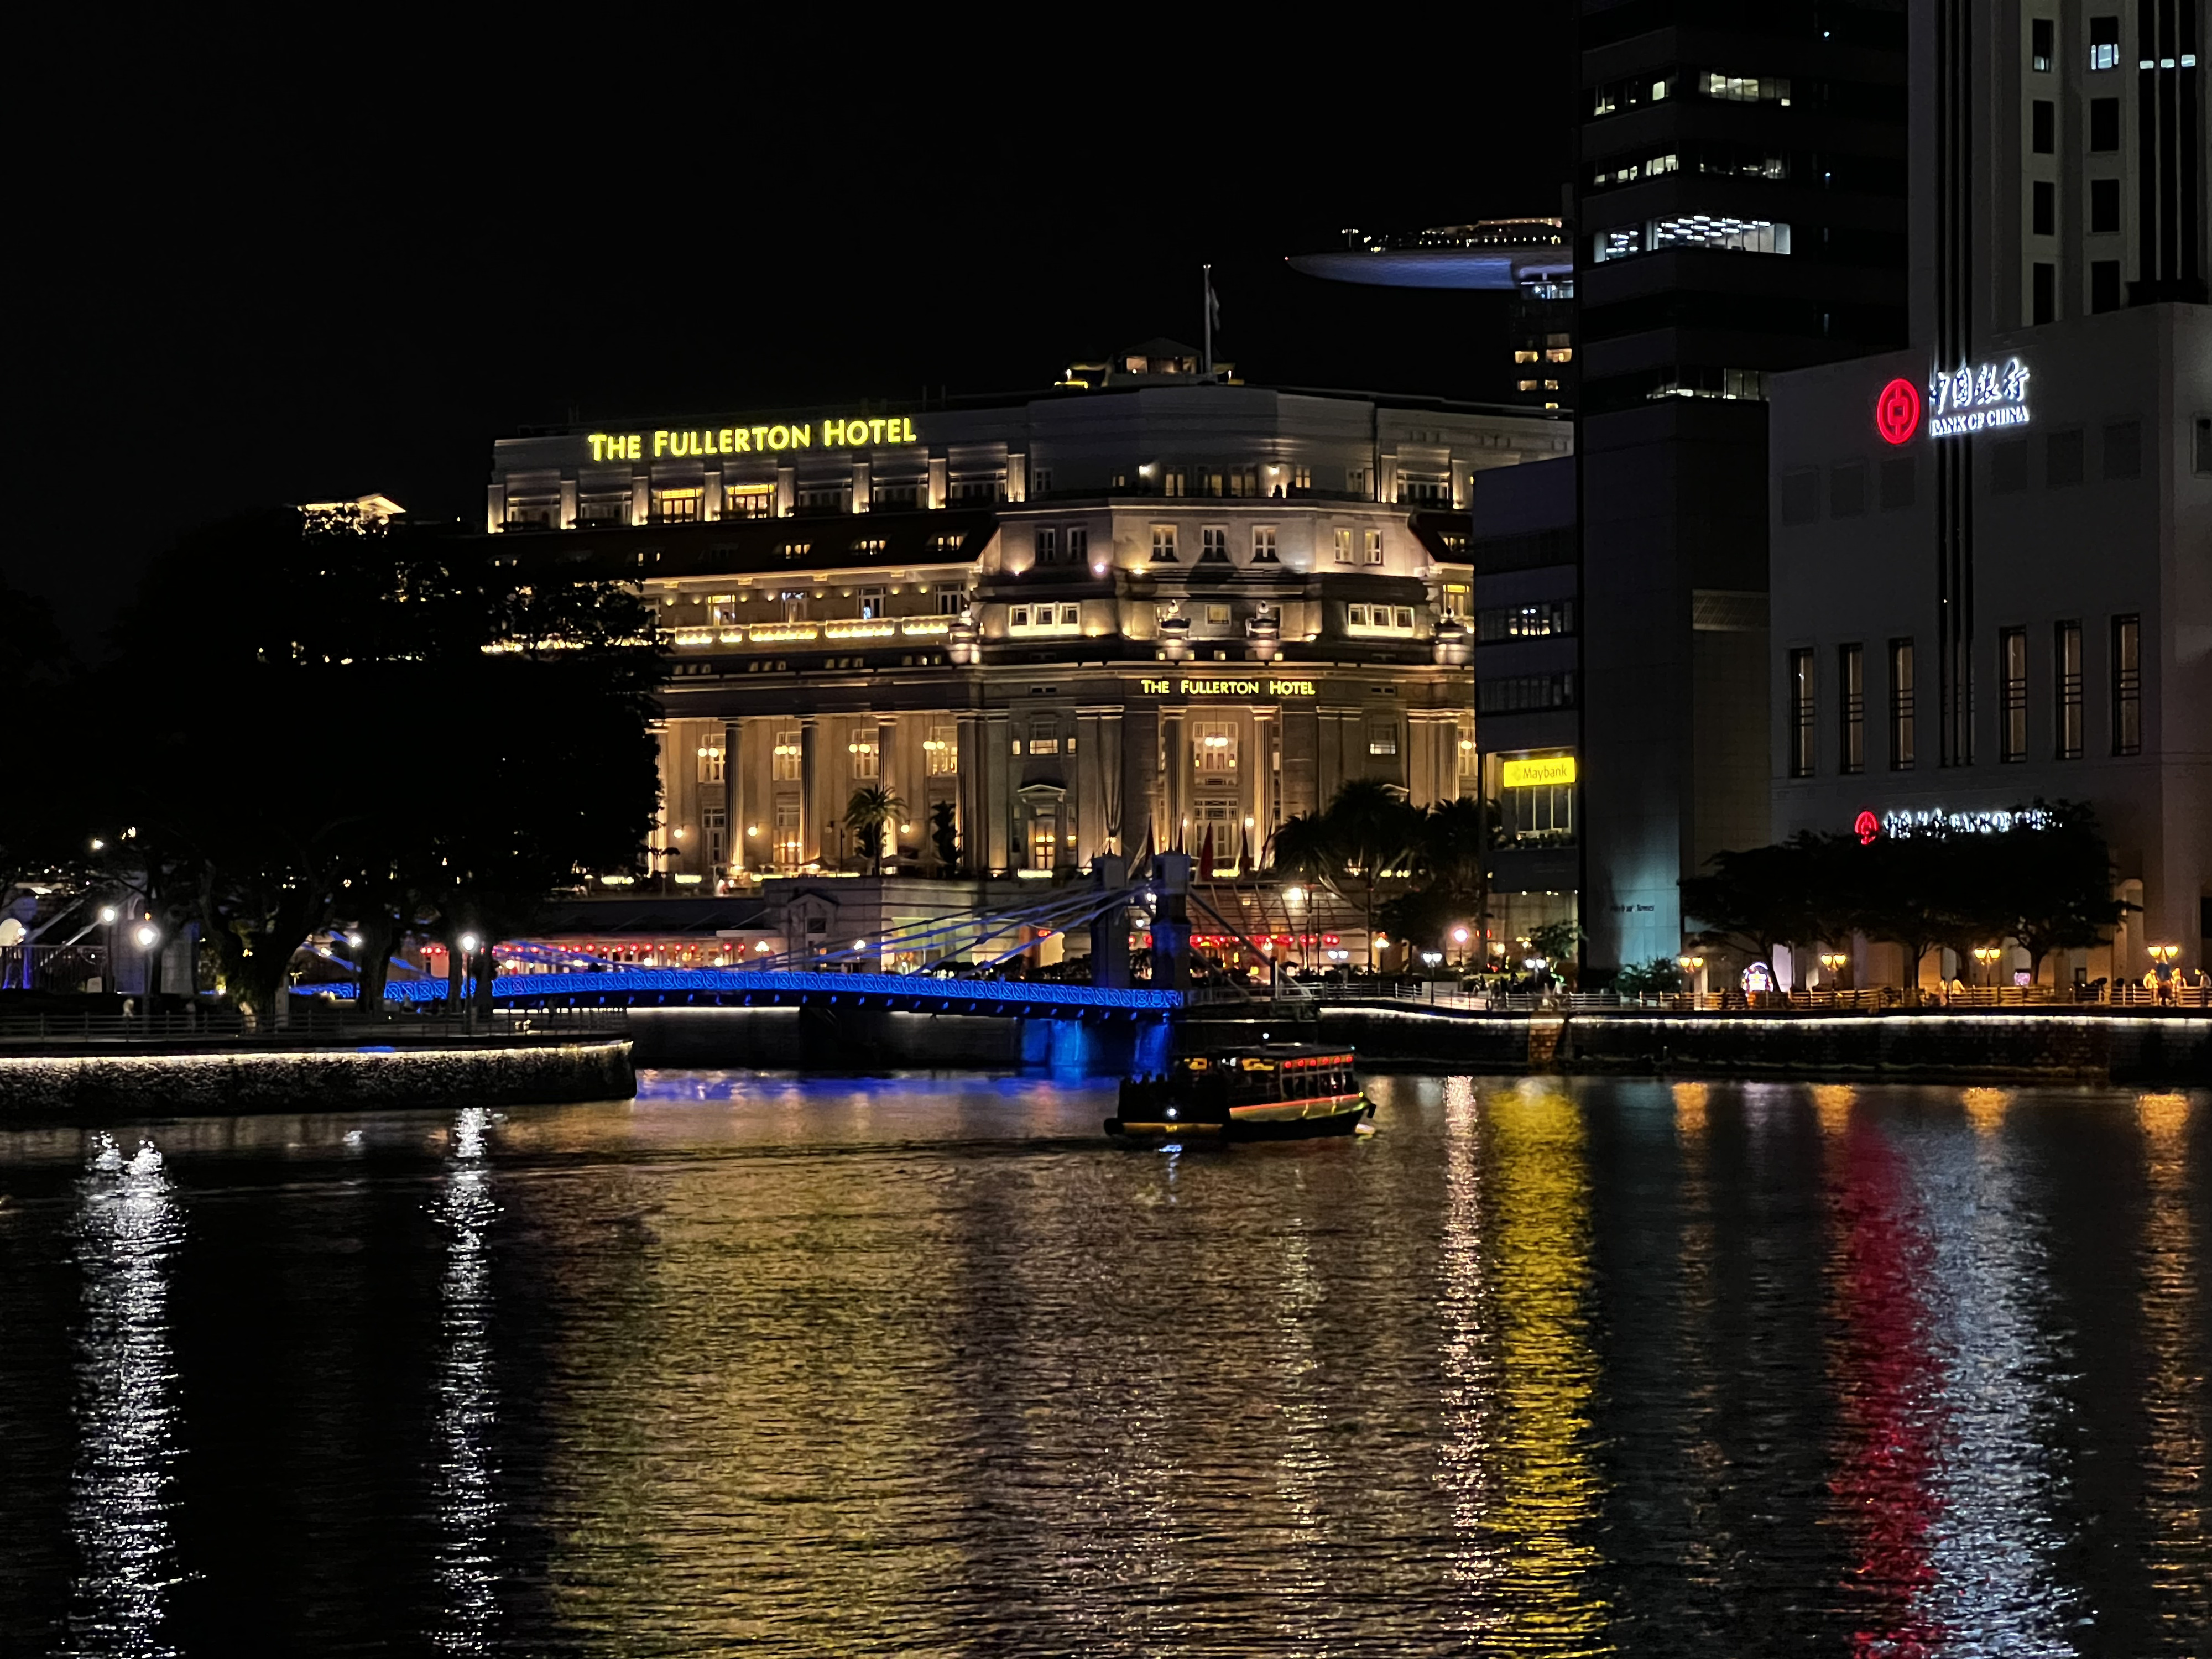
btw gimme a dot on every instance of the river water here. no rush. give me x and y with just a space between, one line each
922 1365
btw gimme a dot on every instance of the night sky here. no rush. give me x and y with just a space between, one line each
244 284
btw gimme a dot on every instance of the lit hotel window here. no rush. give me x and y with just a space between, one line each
1374 547
1344 547
784 761
1382 738
940 752
1164 544
1263 545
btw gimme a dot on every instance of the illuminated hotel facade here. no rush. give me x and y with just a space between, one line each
1146 603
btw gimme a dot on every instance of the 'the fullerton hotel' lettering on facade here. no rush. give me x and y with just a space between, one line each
856 433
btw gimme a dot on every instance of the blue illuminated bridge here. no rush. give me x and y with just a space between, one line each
755 987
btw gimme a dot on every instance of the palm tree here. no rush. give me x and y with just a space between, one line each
867 815
1366 836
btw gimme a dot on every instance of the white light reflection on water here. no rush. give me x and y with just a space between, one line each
1470 1364
1993 1544
466 1482
126 1407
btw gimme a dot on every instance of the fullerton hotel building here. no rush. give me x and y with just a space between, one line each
1147 603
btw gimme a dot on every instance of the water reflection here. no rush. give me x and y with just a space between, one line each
466 1498
2174 1403
127 1227
1546 1498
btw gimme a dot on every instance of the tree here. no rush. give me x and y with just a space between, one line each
870 813
1560 943
1367 835
944 836
1660 974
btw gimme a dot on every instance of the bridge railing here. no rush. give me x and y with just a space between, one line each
219 1025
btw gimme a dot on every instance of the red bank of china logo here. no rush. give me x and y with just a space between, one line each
1867 826
1897 411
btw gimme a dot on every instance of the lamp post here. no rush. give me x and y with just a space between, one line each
148 938
1459 937
1987 956
1834 961
1693 969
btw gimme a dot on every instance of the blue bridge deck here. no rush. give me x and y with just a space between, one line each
708 987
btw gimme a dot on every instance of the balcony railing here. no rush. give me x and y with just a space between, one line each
801 633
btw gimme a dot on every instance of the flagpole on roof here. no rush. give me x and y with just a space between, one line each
1207 367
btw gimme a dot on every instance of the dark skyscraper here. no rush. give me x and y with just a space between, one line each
1740 208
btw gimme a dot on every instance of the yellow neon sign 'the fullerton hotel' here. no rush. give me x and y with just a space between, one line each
855 433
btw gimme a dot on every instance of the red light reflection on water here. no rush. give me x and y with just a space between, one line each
1889 1387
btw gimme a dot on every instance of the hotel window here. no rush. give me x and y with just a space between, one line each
1164 544
1213 746
787 834
784 767
797 550
2012 665
748 501
594 511
2067 655
826 497
904 492
722 610
2105 43
989 487
951 599
1355 616
1851 704
1048 544
861 746
873 606
2127 685
1044 736
1456 601
794 604
1355 481
1263 546
1213 545
1244 481
1344 547
1172 483
1402 618
1383 737
1216 616
710 761
1374 546
1802 711
946 546
1041 481
1901 707
1020 617
715 825
1430 490
1078 543
1302 477
940 752
2043 33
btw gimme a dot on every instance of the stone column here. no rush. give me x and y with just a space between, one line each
999 776
569 498
641 495
974 838
495 511
711 508
810 814
1175 761
733 797
887 778
1261 790
863 493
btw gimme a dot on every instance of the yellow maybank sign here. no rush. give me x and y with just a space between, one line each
1531 774
751 439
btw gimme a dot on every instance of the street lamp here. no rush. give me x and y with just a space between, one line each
1834 961
148 938
1987 956
1692 968
2164 955
1459 937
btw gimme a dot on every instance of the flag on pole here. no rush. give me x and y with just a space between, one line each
1205 855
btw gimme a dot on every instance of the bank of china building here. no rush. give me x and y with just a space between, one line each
1144 605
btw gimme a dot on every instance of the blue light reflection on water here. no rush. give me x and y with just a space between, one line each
918 1364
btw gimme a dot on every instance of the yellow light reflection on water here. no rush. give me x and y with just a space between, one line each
1547 1490
1833 1101
1985 1108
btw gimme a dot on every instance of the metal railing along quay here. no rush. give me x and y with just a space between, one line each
1445 996
222 1027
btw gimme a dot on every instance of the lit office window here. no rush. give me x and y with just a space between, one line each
2012 664
1851 704
1745 88
2067 655
1263 545
1164 544
2105 43
1541 812
1213 746
2127 685
1902 709
1720 231
1802 711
